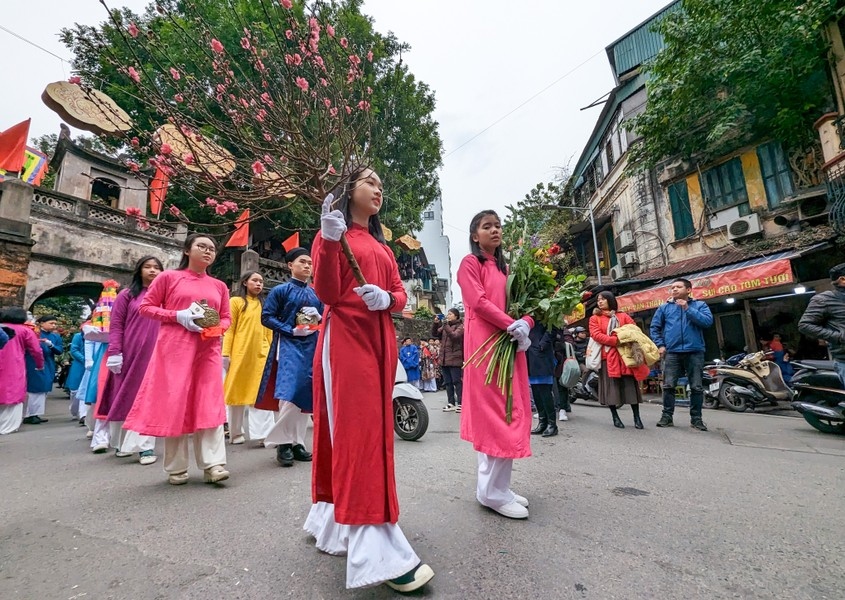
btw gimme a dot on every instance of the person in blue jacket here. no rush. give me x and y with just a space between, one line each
76 371
4 336
40 382
677 330
409 356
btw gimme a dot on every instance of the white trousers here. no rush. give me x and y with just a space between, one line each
74 405
129 441
494 481
209 450
11 417
290 427
102 433
250 422
36 404
429 385
374 553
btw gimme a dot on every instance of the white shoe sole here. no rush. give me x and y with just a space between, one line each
238 440
521 500
99 449
423 575
513 510
216 477
177 479
147 460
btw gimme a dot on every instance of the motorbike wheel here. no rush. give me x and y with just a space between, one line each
820 423
731 401
710 401
410 418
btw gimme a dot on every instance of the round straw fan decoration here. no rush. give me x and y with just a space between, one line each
208 157
86 108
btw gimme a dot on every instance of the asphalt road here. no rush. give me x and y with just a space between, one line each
751 509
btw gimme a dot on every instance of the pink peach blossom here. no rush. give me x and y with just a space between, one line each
217 46
268 159
302 83
174 210
245 43
289 34
265 98
268 137
135 142
363 105
330 30
166 149
133 74
370 56
133 30
133 166
333 112
348 110
230 205
188 159
179 98
344 42
221 209
143 224
327 102
324 82
133 211
286 3
355 59
175 74
75 79
210 202
258 167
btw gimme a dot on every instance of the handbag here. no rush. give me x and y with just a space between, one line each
593 355
571 369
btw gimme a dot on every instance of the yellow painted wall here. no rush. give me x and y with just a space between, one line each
754 180
696 200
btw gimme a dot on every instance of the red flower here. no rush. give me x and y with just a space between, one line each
258 167
133 211
133 30
344 42
166 149
75 79
174 210
221 209
554 250
217 46
135 141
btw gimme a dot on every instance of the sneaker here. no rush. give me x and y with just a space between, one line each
521 500
215 474
239 439
698 424
413 579
562 416
449 408
120 454
147 457
177 478
512 510
458 408
89 435
665 421
100 448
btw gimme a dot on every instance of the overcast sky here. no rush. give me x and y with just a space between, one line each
482 58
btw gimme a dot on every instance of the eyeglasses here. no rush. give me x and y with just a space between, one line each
204 248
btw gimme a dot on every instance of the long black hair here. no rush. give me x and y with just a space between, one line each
242 293
476 249
189 243
137 279
612 304
342 202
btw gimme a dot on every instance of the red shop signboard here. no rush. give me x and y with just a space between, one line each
738 281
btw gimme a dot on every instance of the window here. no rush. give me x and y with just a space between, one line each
724 186
428 215
609 249
105 191
777 177
681 213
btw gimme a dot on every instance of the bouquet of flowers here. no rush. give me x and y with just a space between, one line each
533 290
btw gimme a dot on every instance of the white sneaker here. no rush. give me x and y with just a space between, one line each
100 448
562 416
521 500
239 439
89 435
120 454
512 510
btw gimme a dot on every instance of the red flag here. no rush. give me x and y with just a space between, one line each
13 147
158 190
241 235
291 243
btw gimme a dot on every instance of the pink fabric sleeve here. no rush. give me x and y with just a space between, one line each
151 305
225 310
326 256
118 320
475 296
33 347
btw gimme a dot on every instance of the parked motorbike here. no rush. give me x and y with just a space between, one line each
752 382
410 416
710 379
820 397
587 388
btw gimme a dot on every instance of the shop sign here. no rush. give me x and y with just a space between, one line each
729 283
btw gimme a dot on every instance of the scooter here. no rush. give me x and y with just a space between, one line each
587 388
710 379
410 416
820 397
752 382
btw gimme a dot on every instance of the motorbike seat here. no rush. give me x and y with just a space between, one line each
818 365
774 382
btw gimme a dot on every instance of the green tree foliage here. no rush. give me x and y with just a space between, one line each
403 140
423 313
734 71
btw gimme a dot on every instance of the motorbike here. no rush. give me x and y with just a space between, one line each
587 388
410 416
820 397
752 382
710 379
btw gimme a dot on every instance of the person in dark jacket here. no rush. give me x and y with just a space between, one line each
541 376
451 332
677 330
562 337
825 319
579 344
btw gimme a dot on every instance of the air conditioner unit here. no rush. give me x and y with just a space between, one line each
629 259
616 272
811 208
744 227
624 241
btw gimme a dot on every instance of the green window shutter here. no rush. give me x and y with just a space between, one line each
681 213
611 249
777 176
724 186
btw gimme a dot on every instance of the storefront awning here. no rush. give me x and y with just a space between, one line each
738 278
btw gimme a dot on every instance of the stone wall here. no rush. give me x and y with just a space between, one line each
15 243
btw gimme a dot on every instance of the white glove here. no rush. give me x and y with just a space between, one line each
115 363
226 362
311 311
48 343
186 317
373 296
523 344
332 222
519 330
303 331
89 364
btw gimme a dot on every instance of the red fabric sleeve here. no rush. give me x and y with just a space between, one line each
475 296
326 256
598 331
396 287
